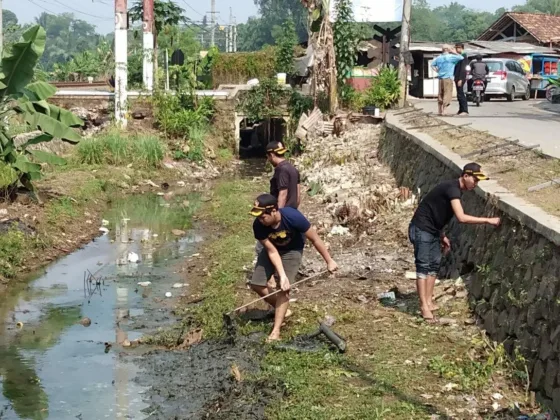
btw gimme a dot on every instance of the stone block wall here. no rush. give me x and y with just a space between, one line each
512 272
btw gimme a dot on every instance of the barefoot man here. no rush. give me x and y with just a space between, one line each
426 230
282 232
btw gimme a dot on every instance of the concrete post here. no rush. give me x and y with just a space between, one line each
121 62
148 43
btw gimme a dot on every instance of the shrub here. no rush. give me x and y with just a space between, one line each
240 67
114 148
385 89
176 114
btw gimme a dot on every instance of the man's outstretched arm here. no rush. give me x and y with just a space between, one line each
472 220
320 246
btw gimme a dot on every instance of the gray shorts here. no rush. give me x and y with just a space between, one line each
264 269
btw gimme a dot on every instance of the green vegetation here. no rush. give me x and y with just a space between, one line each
18 95
119 149
264 101
384 90
345 40
177 114
243 66
227 255
285 50
12 244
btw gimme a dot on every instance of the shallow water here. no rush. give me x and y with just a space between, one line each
53 367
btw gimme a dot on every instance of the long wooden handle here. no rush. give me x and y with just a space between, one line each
278 291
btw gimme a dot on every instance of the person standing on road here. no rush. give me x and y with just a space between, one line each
285 182
426 230
460 74
282 233
444 65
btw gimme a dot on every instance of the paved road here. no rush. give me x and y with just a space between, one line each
530 122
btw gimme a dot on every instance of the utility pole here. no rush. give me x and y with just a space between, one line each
212 22
404 50
235 37
148 44
228 37
121 61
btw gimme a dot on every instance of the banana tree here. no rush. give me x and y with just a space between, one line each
324 61
19 95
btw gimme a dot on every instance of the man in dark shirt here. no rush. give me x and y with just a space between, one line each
282 233
460 74
426 230
285 183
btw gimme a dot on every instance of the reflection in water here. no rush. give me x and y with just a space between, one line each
20 383
54 367
21 386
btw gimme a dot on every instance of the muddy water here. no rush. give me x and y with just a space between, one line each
54 367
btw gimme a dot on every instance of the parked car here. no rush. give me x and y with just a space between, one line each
505 80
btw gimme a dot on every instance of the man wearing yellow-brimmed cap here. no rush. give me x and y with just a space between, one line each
426 230
285 183
282 233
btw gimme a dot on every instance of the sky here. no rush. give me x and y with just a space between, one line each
100 12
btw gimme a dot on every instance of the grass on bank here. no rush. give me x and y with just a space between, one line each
118 149
230 210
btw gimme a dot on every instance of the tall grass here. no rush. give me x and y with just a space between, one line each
114 148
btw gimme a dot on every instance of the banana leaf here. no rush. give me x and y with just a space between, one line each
47 157
18 63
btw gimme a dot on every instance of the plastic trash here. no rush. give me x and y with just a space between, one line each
104 222
168 294
133 257
104 230
179 285
144 283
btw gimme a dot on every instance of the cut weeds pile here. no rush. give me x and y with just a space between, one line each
396 366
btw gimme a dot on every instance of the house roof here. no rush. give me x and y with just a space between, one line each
544 28
486 48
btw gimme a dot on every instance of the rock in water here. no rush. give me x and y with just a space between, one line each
86 322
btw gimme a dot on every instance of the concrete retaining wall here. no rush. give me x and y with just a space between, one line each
514 270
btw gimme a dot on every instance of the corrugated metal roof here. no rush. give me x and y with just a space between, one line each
486 47
513 47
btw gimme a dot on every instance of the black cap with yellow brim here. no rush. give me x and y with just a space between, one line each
264 203
276 147
475 170
478 175
258 210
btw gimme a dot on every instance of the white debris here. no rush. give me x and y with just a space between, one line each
104 222
144 283
181 183
497 396
496 406
340 230
411 275
168 294
133 257
104 230
179 285
450 386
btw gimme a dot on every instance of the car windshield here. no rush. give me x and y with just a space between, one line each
494 65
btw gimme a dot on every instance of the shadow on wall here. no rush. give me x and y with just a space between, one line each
512 272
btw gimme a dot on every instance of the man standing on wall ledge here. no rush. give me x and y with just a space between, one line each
426 230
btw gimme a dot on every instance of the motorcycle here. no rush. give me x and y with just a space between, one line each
478 91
